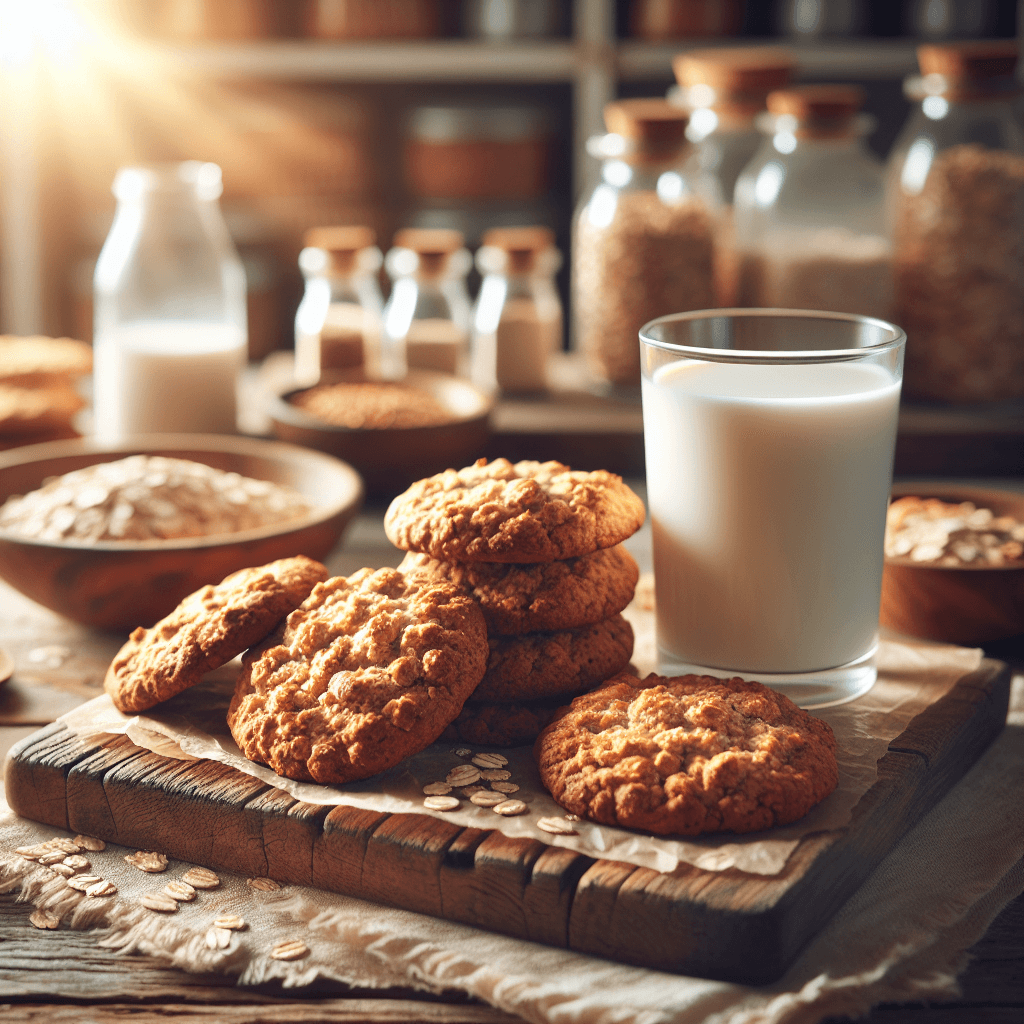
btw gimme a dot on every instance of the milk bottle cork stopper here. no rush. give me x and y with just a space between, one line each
340 238
736 71
429 241
652 127
817 103
521 246
973 61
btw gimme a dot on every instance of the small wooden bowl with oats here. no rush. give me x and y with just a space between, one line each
952 574
118 584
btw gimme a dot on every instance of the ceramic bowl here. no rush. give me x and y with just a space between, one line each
968 605
390 459
121 585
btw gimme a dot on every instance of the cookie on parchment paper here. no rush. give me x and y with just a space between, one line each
370 669
555 665
525 598
526 512
207 630
501 725
687 754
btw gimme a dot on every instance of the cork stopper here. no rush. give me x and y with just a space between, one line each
736 71
974 61
653 127
821 111
347 238
520 239
429 241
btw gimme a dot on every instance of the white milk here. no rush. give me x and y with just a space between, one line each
166 376
768 488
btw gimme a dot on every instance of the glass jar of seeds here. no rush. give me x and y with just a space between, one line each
956 197
642 241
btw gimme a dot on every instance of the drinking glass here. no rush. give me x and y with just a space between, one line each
770 436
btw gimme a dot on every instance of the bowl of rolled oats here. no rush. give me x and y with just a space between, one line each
393 432
954 563
115 535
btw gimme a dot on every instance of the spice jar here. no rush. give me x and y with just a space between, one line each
956 192
338 322
724 91
642 241
809 209
517 323
428 315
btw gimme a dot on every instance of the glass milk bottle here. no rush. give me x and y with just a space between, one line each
170 307
809 209
517 323
724 90
338 322
428 316
956 197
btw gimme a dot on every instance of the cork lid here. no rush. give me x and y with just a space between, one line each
736 69
651 125
817 103
346 238
996 58
429 241
526 239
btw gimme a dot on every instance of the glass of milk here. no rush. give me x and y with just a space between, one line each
770 437
170 315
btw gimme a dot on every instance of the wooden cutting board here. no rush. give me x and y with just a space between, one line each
727 925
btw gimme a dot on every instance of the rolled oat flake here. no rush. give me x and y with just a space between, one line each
441 803
510 808
557 826
201 878
463 775
179 890
43 919
159 901
490 760
486 798
292 950
263 884
218 938
82 882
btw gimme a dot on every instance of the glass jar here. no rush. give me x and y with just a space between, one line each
428 316
956 197
338 322
809 209
724 91
642 241
517 322
169 307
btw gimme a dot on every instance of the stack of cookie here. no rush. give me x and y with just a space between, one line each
537 545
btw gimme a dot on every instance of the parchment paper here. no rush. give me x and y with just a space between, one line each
912 674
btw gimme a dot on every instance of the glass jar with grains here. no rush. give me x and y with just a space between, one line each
724 90
642 242
809 208
338 322
517 323
428 315
956 197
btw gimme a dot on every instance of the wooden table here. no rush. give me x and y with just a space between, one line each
46 976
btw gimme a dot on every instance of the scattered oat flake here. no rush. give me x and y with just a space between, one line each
43 919
463 752
52 857
218 938
505 787
293 950
90 844
572 817
487 798
201 878
490 760
470 790
437 789
181 891
557 826
159 901
262 884
496 774
101 888
82 882
463 775
509 808
30 852
77 862
441 803
230 922
62 844
63 870
147 860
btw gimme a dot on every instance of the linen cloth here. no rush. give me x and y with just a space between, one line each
902 936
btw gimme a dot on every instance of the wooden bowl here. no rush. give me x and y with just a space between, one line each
119 585
390 459
963 605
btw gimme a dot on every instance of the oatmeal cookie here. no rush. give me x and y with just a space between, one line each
686 755
501 725
500 512
370 669
34 410
207 630
37 361
561 664
525 598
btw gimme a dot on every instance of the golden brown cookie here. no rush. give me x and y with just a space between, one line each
370 669
687 754
207 630
26 411
500 512
555 665
524 598
501 725
37 361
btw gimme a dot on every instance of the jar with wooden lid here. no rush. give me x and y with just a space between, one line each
724 90
338 322
517 322
809 209
428 315
373 19
642 241
956 197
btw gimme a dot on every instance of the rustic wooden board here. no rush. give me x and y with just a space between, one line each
726 925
